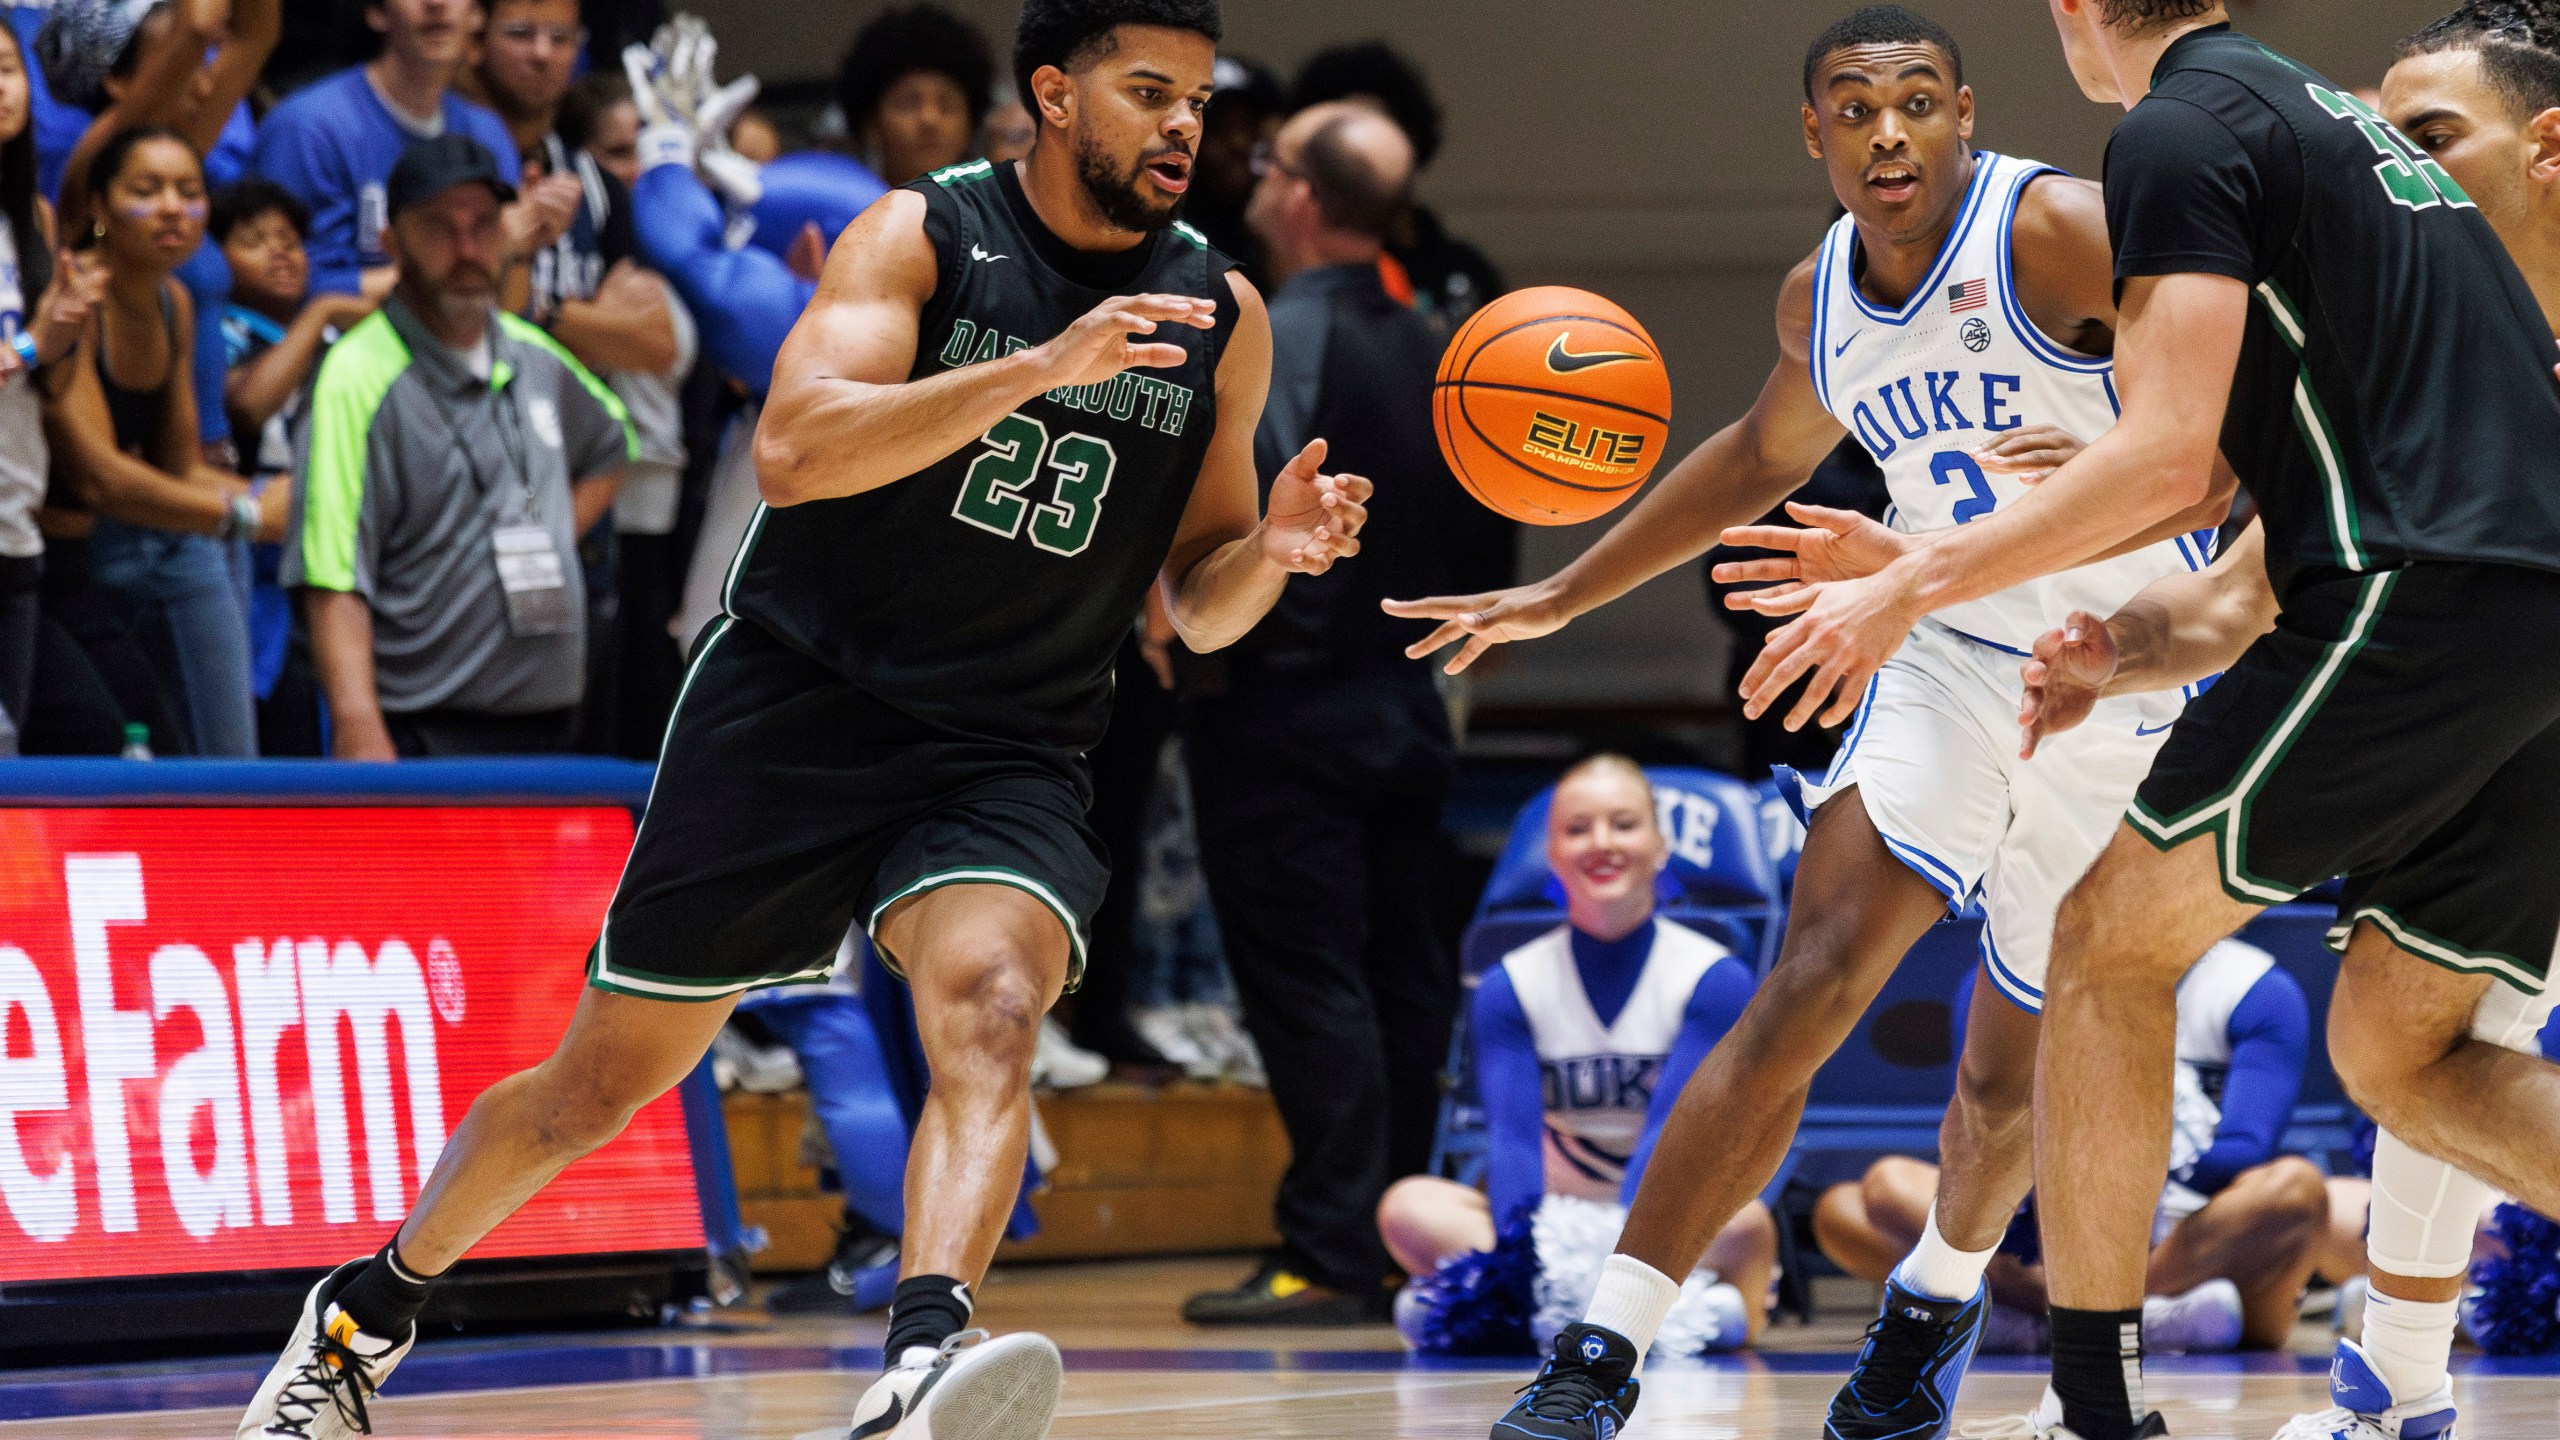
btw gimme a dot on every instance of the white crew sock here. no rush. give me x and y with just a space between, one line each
1939 1270
1632 1299
2410 1342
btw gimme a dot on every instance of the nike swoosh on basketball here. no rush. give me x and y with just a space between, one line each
1565 362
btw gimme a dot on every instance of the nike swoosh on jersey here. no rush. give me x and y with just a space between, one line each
2142 730
978 252
1565 362
1845 344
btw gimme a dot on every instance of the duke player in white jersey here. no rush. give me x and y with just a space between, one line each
1965 301
1582 1039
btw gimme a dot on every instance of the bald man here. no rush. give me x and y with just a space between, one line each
1320 755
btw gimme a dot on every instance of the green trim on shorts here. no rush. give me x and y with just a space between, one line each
2436 950
2225 814
689 989
984 875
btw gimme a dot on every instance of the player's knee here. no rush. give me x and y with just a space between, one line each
1818 984
580 1112
1997 1095
992 990
2376 1053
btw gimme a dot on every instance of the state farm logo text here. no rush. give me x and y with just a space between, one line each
299 1021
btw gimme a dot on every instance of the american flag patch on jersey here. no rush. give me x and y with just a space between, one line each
1971 295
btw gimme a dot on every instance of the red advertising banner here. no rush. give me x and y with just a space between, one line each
236 1039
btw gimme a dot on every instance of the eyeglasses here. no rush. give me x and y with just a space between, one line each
1264 158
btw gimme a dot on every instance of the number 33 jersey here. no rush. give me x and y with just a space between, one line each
989 592
1953 368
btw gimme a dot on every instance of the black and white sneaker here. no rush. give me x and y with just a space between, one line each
1904 1386
1586 1392
972 1388
319 1387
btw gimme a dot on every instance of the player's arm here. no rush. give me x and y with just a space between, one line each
1737 475
843 417
2176 631
2177 347
1234 549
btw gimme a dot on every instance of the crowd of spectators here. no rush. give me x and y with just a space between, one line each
275 449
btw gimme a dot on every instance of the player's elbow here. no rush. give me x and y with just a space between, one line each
785 469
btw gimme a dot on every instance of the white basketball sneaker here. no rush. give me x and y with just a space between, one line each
2204 1321
329 1370
2045 1423
2362 1408
972 1388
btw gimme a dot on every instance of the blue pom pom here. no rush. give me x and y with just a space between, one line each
2517 1309
1480 1303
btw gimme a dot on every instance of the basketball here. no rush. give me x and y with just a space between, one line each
1552 405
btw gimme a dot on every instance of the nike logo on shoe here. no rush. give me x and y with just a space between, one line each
1564 362
882 1423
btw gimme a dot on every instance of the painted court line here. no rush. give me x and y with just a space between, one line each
836 1432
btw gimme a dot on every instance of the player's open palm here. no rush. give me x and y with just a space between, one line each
2064 678
1313 519
1112 337
1824 545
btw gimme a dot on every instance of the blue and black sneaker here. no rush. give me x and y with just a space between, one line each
1586 1392
1905 1385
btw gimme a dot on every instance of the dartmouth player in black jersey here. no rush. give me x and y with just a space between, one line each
2301 282
1020 397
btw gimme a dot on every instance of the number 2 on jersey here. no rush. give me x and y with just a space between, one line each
991 493
1952 463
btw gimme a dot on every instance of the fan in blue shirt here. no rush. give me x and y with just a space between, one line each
2239 1226
1582 1040
333 143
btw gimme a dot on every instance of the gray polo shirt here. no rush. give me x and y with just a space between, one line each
409 466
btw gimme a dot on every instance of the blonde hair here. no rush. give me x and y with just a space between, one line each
1611 760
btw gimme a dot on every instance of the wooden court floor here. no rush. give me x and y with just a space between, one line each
1135 1372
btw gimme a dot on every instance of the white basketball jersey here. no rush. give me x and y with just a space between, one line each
1598 1079
1958 364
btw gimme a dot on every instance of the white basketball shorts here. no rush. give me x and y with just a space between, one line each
1933 753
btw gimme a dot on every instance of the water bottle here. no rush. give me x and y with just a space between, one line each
137 741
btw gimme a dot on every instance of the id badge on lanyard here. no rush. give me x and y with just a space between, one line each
535 582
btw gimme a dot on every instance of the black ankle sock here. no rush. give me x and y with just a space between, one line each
2097 1371
385 1297
925 1310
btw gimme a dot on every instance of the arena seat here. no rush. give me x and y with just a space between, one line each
1720 882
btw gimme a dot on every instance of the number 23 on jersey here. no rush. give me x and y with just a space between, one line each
1019 448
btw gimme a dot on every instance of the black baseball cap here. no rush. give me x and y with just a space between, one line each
428 168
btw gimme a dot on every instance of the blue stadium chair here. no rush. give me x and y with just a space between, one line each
1720 882
2296 935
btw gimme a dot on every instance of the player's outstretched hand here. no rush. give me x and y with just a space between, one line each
2064 678
2030 452
1831 545
1313 519
1523 612
1843 633
1105 342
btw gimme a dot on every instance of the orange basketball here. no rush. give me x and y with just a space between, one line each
1552 405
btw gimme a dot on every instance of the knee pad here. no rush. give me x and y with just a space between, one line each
2424 1211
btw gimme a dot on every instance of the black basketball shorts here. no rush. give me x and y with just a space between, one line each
2401 729
790 806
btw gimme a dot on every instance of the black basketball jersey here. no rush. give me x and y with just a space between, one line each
990 590
2395 399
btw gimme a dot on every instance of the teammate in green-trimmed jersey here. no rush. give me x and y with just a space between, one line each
1021 397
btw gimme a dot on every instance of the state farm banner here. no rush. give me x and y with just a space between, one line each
236 1039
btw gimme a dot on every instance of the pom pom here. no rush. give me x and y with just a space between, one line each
2517 1308
1479 1303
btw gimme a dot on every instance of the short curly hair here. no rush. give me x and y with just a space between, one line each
1377 71
1069 33
2518 42
1880 25
908 39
